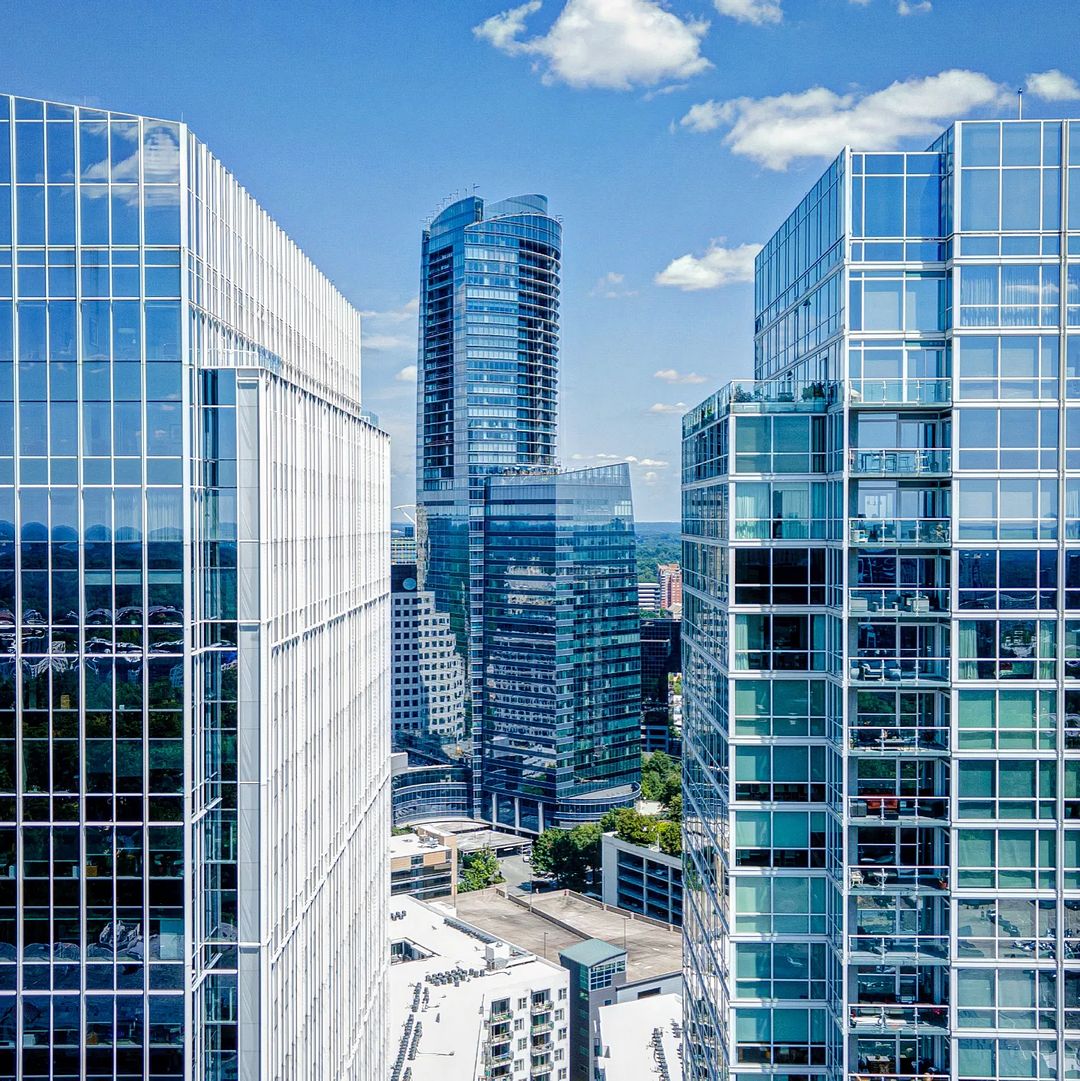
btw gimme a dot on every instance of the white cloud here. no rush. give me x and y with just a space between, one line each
617 44
758 12
817 123
610 286
1053 85
672 375
407 374
387 343
718 266
504 29
644 463
913 7
650 478
663 409
407 311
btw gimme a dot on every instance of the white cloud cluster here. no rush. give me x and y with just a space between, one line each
665 409
1053 85
673 375
611 287
757 12
817 123
913 7
615 44
644 463
380 340
407 374
718 266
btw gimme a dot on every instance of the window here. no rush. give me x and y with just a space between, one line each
993 788
1009 295
1006 1058
779 707
781 511
780 576
784 905
1006 859
1007 720
1008 439
1009 578
1024 367
1003 928
789 970
779 444
894 301
780 774
779 839
785 643
1014 508
1006 649
1006 998
777 1036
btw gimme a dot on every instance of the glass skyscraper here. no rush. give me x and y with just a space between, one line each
882 631
557 727
194 615
487 491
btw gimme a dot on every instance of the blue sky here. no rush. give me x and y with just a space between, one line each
671 137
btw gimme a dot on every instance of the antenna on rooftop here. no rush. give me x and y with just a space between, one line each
1020 104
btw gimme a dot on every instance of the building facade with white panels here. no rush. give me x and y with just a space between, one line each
195 584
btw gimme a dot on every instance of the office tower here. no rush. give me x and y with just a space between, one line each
428 684
549 715
402 548
661 658
557 724
670 576
194 791
486 394
882 616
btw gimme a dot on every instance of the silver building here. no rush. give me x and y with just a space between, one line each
882 628
194 527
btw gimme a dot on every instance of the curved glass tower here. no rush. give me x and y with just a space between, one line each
486 389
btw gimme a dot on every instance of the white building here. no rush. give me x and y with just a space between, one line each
640 1040
642 879
465 1006
428 673
648 595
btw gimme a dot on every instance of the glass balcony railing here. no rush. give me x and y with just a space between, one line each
899 391
901 461
894 808
901 947
880 877
900 601
898 1017
888 738
900 531
893 669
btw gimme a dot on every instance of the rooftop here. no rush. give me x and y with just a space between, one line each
408 844
637 1037
651 949
593 951
449 1015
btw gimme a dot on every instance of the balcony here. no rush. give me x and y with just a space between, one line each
913 601
866 393
896 1018
496 1057
769 396
541 1025
903 532
882 737
898 808
893 669
900 462
539 1005
900 949
870 878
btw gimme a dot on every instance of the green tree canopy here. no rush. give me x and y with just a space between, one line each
479 870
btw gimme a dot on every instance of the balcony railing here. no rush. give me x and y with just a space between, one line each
918 602
899 462
893 669
890 738
901 947
862 392
932 532
895 1018
539 1005
870 877
893 808
886 1071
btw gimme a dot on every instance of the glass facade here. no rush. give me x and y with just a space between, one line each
149 377
879 643
557 728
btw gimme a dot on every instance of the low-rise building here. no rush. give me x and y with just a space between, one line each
422 866
642 879
466 1005
639 1039
648 596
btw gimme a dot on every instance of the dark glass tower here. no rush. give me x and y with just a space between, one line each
486 401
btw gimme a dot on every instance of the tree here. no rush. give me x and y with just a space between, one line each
661 777
479 870
674 808
669 837
570 857
630 826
